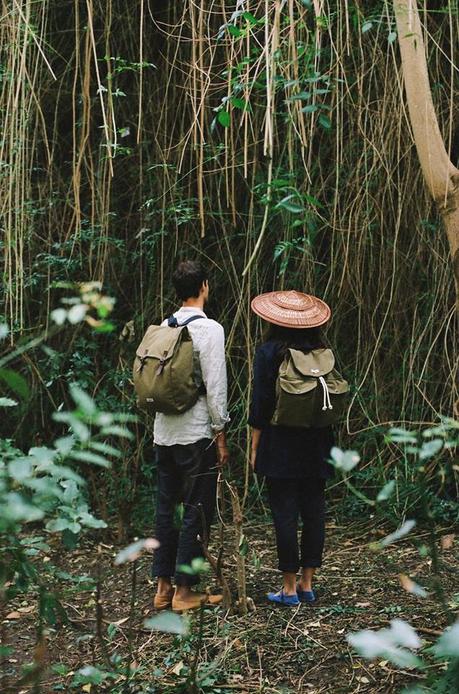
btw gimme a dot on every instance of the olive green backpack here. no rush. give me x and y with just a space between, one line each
164 371
309 390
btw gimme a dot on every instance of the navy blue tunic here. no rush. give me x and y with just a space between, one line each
284 452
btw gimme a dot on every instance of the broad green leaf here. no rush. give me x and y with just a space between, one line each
301 96
105 448
65 444
250 18
392 37
366 26
16 509
324 121
7 402
20 469
59 316
89 457
310 108
447 645
344 460
56 525
77 313
224 118
234 30
15 381
167 622
116 430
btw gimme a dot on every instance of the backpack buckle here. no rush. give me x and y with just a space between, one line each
142 361
162 363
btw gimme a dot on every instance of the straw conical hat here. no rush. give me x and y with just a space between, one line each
291 309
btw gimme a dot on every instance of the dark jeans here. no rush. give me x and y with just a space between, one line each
289 499
188 475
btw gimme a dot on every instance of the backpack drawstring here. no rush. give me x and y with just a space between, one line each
327 402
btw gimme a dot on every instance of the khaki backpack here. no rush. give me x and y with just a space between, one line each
164 371
309 390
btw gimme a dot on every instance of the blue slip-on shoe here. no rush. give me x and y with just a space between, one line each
306 596
281 599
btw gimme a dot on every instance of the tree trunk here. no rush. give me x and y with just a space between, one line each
441 176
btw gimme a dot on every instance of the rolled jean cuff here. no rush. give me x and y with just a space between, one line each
288 568
186 580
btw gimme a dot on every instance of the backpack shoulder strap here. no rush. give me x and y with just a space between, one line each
172 321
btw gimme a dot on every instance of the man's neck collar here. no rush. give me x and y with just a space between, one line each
199 305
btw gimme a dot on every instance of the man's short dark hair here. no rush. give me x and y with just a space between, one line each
188 279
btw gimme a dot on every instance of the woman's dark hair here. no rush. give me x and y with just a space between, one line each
188 279
304 339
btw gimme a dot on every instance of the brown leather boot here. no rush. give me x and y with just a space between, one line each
162 601
191 602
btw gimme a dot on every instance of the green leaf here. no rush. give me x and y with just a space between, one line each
80 429
447 645
243 546
324 121
15 381
310 108
88 457
344 460
366 26
392 37
387 491
240 103
224 118
105 448
167 622
234 30
250 18
133 551
7 402
20 469
399 533
288 204
312 200
116 430
398 435
430 448
300 96
82 400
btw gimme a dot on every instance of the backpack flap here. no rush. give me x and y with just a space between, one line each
310 392
318 362
163 372
159 342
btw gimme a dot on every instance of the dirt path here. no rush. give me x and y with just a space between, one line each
271 650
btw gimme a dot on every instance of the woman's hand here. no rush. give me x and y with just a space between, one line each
256 433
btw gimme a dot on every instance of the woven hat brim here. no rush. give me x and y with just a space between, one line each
266 309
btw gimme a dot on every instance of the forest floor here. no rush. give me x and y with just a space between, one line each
271 650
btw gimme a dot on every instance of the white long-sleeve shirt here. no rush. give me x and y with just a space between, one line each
209 414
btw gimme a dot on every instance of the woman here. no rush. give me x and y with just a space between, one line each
293 460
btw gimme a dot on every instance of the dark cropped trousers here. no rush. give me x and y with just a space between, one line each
290 499
186 475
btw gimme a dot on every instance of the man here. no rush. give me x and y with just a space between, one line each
190 447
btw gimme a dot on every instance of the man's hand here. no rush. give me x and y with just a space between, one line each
222 449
